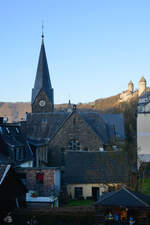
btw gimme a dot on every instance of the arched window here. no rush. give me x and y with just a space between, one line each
73 145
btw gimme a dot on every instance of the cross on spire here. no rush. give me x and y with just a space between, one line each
42 30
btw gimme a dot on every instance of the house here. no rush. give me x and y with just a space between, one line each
143 128
14 147
88 174
15 150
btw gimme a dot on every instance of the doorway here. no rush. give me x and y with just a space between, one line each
95 193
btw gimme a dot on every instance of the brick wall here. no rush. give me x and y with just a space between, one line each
31 180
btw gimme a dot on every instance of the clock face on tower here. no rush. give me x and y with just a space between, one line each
42 103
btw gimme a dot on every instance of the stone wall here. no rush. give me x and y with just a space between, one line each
36 108
74 128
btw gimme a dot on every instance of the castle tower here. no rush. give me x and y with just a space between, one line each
130 86
42 93
142 86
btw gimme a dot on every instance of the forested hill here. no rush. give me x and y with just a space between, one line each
16 111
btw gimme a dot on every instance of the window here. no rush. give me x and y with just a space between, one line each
19 153
78 192
73 145
86 149
8 131
17 130
42 156
1 130
39 178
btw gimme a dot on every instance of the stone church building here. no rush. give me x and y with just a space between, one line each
84 145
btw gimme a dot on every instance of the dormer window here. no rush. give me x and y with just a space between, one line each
17 130
1 130
8 131
19 153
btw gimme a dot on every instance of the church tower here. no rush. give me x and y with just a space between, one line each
42 93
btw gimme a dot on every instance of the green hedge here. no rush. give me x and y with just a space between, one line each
86 218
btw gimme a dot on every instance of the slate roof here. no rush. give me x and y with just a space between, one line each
12 138
45 125
124 198
96 122
42 80
37 142
115 121
144 99
42 126
96 167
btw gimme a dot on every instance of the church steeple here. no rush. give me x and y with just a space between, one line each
42 93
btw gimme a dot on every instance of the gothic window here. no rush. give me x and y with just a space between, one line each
73 145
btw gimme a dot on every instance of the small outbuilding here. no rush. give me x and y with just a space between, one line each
122 207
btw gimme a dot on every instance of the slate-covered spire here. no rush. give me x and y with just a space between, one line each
42 80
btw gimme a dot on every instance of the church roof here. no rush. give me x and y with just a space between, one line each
46 125
42 80
97 123
96 167
117 122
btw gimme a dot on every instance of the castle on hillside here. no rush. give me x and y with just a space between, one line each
130 93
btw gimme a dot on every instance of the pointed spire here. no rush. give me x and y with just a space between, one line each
42 80
69 107
42 33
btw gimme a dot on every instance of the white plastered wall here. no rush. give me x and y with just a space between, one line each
87 189
143 136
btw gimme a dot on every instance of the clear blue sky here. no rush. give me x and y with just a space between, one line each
94 47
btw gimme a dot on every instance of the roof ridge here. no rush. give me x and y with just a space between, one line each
70 114
113 193
137 198
5 173
99 136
